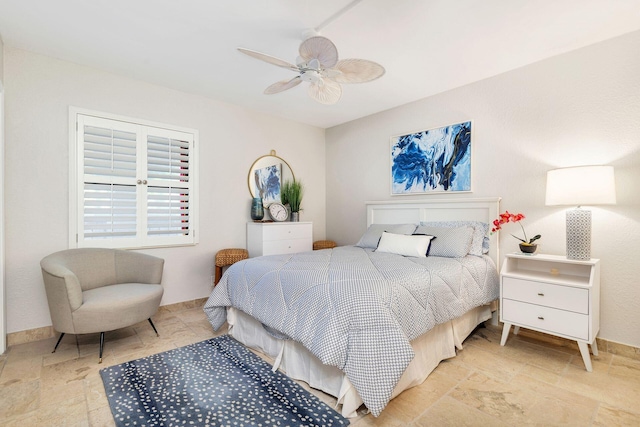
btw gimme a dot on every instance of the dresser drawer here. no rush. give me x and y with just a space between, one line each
546 294
546 319
279 238
290 246
287 232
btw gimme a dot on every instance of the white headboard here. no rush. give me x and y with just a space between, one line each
414 211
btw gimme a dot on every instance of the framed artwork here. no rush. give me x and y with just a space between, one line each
432 161
268 182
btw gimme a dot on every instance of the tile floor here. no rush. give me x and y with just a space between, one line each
532 380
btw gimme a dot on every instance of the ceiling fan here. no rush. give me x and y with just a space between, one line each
318 65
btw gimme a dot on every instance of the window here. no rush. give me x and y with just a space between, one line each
133 184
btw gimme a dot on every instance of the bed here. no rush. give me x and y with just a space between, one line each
363 323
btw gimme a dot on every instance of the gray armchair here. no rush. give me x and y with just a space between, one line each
99 290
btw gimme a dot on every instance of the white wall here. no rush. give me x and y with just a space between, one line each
3 318
579 108
1 59
39 91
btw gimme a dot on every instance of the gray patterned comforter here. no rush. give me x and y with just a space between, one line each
354 308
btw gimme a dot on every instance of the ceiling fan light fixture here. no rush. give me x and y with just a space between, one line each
311 76
318 65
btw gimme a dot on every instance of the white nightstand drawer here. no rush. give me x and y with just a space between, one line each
546 294
290 246
546 319
286 232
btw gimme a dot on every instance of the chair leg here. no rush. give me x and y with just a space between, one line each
101 345
154 327
58 343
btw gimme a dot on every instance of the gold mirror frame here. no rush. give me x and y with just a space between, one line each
265 161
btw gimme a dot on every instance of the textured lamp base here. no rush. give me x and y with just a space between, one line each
579 234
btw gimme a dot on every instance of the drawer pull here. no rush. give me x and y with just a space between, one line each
540 317
540 294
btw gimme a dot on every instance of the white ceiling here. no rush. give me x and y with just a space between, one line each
426 46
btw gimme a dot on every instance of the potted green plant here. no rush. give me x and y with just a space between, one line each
291 194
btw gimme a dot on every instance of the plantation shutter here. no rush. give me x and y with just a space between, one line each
168 191
135 184
109 193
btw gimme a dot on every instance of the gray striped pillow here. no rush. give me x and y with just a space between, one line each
479 242
373 234
450 242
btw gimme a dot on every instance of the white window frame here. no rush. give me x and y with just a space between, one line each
76 185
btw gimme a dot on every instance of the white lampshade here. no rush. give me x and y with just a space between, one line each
582 185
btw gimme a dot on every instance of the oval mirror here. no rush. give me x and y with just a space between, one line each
266 176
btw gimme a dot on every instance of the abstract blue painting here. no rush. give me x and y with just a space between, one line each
432 161
268 184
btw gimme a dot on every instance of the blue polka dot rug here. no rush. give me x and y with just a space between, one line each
216 382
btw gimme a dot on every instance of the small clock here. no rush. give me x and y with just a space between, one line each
278 212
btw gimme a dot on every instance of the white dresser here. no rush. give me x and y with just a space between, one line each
273 238
552 294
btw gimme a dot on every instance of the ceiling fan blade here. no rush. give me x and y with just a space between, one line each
268 58
357 71
325 91
283 85
320 48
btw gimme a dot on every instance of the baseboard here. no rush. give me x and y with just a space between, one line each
43 333
30 335
38 334
611 347
619 349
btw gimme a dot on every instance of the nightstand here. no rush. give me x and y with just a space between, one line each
274 238
554 295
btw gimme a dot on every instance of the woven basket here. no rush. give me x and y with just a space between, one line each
324 244
229 256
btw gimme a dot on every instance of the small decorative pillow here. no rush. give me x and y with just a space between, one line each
401 244
480 241
430 243
450 242
372 236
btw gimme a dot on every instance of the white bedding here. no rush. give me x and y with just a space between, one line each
297 362
354 308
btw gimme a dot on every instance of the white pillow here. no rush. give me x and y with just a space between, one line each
401 244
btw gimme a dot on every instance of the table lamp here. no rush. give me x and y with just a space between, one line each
581 185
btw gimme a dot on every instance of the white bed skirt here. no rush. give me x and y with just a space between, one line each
431 348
